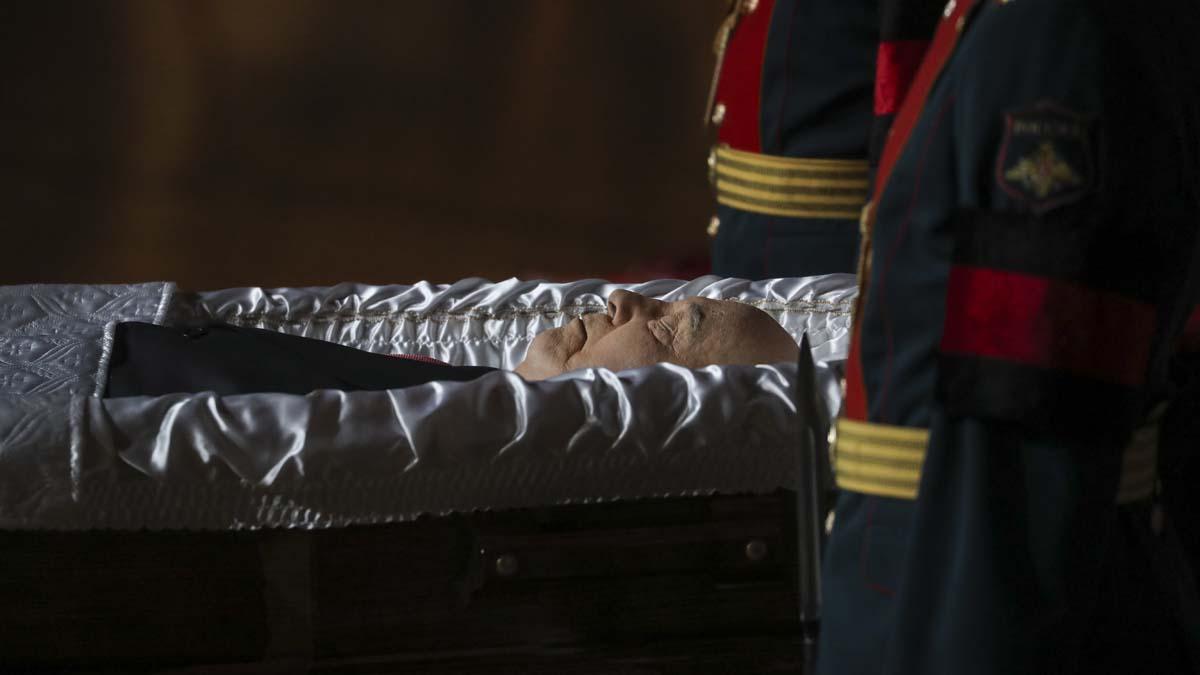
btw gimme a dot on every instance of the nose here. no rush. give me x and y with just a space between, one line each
624 305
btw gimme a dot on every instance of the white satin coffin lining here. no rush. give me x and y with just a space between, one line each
332 458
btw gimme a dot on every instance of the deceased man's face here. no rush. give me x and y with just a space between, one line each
639 331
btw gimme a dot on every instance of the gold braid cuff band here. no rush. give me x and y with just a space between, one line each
789 186
885 460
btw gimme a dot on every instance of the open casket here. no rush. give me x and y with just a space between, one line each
640 521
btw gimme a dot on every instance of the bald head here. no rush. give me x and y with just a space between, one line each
639 331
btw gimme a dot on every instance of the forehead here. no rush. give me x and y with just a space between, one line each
711 306
705 306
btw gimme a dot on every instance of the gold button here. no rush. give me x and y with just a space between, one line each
718 115
712 166
949 8
507 565
864 217
714 225
958 25
756 550
749 6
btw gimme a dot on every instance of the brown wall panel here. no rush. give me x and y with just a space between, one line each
299 142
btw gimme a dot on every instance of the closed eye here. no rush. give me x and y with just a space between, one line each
695 319
662 331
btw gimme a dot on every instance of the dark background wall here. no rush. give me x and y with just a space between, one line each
296 142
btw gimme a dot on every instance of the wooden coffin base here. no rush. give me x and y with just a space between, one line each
687 585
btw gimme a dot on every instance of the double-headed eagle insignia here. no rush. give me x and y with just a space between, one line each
1045 159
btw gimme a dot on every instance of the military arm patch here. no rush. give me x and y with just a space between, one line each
1045 159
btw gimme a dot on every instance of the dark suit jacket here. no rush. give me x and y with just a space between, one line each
150 360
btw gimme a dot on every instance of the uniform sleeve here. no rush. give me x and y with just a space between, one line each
1067 254
1057 270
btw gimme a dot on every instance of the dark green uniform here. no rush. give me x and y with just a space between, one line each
793 110
1031 264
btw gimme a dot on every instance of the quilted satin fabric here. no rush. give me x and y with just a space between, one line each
69 460
475 322
53 339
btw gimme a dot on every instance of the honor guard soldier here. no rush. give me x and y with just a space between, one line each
792 102
1029 263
